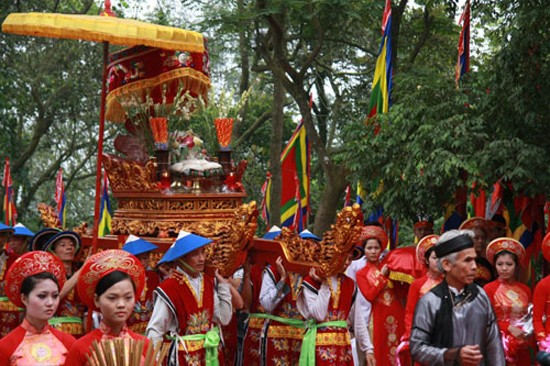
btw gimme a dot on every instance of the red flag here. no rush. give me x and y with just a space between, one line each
347 197
9 205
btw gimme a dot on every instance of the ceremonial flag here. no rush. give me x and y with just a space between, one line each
360 194
463 63
60 197
380 99
105 209
9 205
347 196
295 162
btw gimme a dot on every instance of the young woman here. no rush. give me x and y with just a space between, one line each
510 299
424 254
70 314
387 310
108 281
32 282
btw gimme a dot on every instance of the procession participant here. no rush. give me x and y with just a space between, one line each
359 262
510 299
250 292
541 303
454 322
283 331
9 313
424 253
327 304
18 242
70 314
33 282
387 310
423 226
143 308
165 270
229 331
109 281
485 271
189 304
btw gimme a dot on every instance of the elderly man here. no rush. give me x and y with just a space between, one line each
454 323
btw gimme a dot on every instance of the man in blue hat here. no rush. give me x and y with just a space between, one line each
18 242
143 307
189 304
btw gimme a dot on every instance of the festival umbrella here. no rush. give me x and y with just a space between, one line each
107 29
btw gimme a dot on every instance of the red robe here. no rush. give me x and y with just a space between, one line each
387 313
510 301
144 305
194 313
333 344
418 288
44 355
283 343
252 338
83 346
541 308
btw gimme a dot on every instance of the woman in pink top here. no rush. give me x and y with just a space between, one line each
34 282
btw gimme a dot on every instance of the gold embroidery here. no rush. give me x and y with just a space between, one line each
191 346
8 306
41 352
284 331
333 339
256 323
138 328
182 277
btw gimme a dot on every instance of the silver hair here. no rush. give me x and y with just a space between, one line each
445 237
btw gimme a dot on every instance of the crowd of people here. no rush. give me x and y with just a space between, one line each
470 306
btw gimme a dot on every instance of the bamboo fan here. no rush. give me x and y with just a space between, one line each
127 352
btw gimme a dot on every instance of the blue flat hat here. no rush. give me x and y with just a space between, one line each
22 230
272 233
185 243
137 246
39 239
306 234
5 229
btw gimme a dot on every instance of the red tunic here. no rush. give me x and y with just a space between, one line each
194 313
283 343
418 288
333 344
144 305
387 313
82 347
70 307
47 352
252 338
510 301
541 308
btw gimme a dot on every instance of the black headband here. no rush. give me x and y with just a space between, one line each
456 244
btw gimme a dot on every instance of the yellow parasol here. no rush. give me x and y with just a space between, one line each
106 28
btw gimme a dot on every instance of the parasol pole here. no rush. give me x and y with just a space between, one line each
95 232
